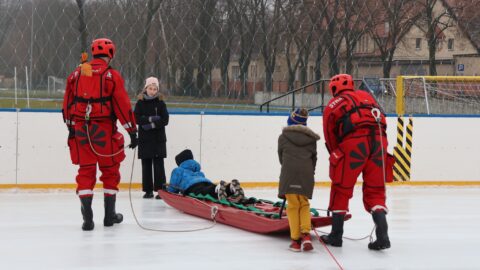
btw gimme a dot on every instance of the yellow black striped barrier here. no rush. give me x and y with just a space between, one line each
403 151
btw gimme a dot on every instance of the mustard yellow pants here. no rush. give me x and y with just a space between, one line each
298 213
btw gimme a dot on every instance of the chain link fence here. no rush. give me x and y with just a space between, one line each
235 53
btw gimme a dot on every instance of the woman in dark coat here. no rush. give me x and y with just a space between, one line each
152 117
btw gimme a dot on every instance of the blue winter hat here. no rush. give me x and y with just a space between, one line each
298 117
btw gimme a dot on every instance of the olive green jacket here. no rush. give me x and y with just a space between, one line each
297 151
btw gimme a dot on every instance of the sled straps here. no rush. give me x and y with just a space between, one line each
248 208
231 204
313 211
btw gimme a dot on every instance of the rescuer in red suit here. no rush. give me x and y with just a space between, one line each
95 97
355 140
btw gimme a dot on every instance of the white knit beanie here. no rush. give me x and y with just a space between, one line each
150 81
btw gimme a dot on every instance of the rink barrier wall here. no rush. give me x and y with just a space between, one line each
138 186
241 145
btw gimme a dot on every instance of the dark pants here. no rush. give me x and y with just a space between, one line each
205 188
159 179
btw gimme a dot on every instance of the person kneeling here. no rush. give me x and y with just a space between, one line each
188 178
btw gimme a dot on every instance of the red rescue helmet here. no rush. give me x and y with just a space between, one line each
103 47
339 83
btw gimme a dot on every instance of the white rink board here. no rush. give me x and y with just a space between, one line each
43 152
445 149
8 133
231 146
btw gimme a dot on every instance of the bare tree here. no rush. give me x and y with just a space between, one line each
353 28
151 10
82 26
307 34
203 30
292 52
246 13
320 52
334 37
224 40
392 19
183 44
435 19
301 25
270 30
50 34
8 11
168 52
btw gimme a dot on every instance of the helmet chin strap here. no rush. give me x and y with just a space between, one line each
107 59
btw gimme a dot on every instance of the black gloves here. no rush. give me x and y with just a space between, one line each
133 140
152 119
71 132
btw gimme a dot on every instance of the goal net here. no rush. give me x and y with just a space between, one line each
438 95
55 85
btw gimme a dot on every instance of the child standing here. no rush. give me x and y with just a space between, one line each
152 117
297 151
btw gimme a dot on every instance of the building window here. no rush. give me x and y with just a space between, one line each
362 44
387 27
253 71
450 44
235 72
418 44
278 69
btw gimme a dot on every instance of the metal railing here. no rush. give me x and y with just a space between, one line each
302 88
292 92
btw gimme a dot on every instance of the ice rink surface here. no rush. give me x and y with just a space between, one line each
429 227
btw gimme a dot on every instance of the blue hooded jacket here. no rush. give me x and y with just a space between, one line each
186 175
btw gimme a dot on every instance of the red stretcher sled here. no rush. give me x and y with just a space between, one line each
260 217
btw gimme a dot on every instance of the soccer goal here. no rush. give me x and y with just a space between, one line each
55 85
438 95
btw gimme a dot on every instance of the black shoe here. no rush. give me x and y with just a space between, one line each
381 231
158 197
335 237
148 195
331 240
88 226
379 244
87 213
111 217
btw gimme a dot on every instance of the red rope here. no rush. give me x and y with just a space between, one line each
328 250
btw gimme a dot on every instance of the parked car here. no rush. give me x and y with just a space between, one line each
373 85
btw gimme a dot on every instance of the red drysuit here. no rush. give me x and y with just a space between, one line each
96 102
353 140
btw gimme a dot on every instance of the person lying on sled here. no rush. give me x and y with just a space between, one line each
188 178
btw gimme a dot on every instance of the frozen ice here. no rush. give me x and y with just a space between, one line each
429 228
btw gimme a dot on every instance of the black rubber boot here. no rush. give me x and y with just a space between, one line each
87 213
381 231
335 237
111 217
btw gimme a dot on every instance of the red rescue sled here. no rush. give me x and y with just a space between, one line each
243 219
